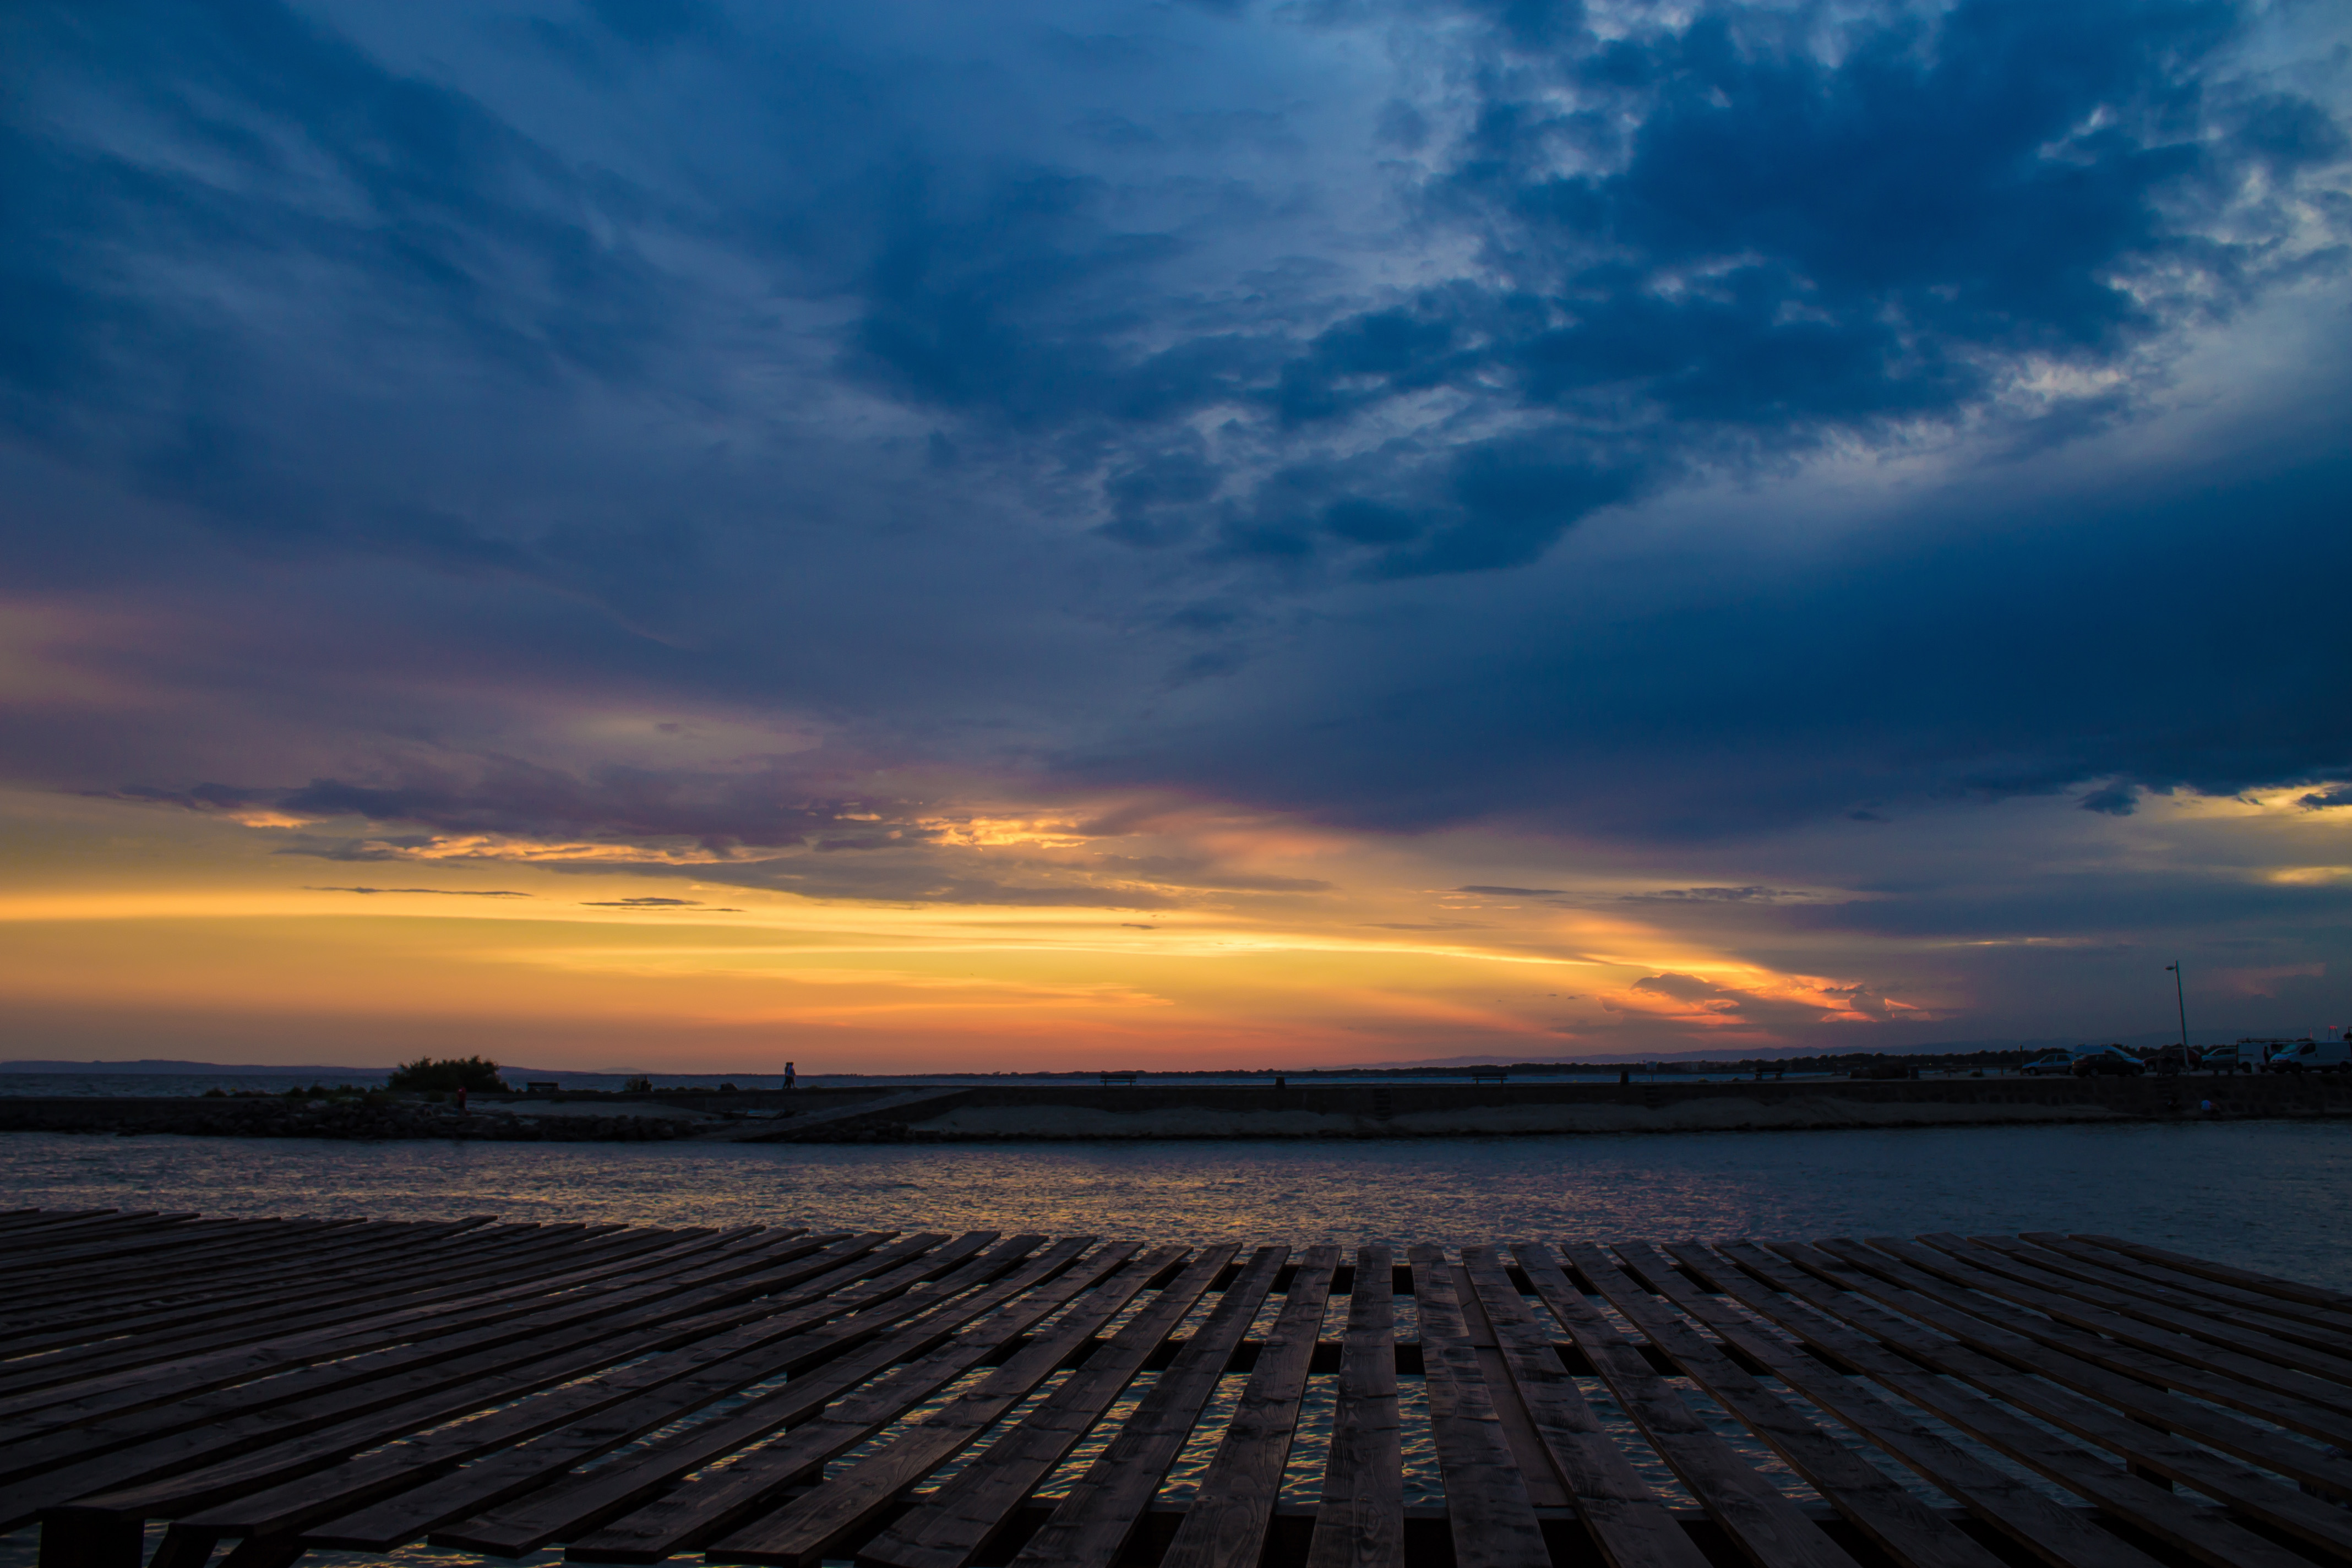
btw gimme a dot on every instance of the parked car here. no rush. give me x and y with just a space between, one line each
2109 1062
2241 1056
2057 1064
2314 1056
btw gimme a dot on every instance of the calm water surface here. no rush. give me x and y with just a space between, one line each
2265 1194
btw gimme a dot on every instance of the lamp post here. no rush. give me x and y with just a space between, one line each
2181 1003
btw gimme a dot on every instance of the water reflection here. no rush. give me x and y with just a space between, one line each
2264 1194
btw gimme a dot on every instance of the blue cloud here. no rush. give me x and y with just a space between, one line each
1158 402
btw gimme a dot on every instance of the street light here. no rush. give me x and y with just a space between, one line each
2180 1003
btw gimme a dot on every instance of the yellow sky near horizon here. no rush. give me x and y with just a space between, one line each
132 927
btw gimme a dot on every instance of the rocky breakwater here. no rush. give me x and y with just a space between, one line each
373 1119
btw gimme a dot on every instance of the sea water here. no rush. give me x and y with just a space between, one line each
2263 1195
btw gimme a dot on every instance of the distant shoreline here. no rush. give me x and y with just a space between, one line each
1307 1110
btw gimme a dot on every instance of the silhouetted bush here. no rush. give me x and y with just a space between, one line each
477 1075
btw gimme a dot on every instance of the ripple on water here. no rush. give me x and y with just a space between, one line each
2177 1186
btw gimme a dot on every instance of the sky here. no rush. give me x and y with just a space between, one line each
1170 533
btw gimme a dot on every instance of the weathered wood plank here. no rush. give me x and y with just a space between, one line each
2228 1274
1876 1504
1748 1507
1360 1523
671 1321
1487 1510
117 1301
808 1529
844 1320
311 1303
2117 1266
948 1529
576 1505
1853 1331
26 1388
2220 1340
1226 1525
1626 1521
2123 1375
2103 1413
448 1310
2057 1535
291 1403
1092 1525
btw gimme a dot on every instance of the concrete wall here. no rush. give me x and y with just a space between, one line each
1375 1111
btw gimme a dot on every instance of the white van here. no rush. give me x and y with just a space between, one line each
2312 1055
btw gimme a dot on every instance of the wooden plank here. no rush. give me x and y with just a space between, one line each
810 1527
857 1317
666 1319
278 1489
194 1276
409 1322
2266 1284
2093 1414
75 1224
2267 1392
1851 1331
2246 1335
101 1290
1748 1507
165 1249
1876 1504
576 1505
2114 1265
159 1312
1092 1525
951 1526
1488 1513
2107 1369
1360 1523
1626 1521
28 1388
98 1225
314 1294
352 1387
1227 1523
717 1502
160 1251
2059 1536
1541 1478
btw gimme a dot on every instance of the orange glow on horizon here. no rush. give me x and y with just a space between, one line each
1284 947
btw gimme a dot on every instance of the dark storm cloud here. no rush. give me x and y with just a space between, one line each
1132 395
503 796
1729 244
2032 632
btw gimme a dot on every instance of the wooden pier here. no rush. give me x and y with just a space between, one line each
176 1389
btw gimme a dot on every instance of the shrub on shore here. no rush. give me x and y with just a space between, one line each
477 1075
